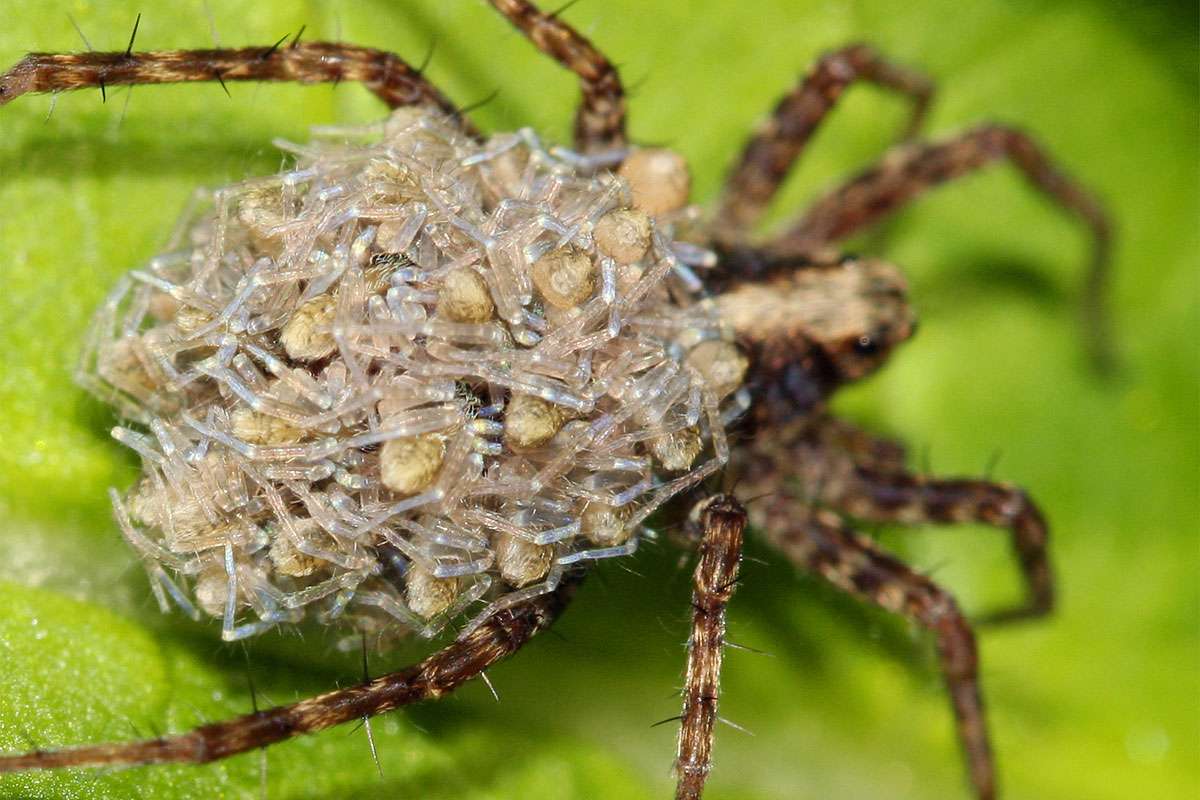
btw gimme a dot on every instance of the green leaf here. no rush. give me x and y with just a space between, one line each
1096 702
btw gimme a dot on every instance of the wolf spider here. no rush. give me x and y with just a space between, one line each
808 319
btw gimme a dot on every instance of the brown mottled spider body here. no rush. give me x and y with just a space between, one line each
806 319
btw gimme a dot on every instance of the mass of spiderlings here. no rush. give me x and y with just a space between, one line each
410 376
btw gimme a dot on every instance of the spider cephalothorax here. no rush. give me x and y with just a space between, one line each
814 327
422 369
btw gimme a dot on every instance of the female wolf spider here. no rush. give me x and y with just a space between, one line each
806 320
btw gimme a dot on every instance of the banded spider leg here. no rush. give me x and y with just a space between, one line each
496 638
901 176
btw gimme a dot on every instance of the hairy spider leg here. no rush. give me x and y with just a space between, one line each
909 171
599 123
389 77
497 637
722 525
868 449
821 542
778 143
600 120
871 490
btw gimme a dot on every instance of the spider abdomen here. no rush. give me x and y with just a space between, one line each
412 372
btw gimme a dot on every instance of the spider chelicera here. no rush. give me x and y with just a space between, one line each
801 320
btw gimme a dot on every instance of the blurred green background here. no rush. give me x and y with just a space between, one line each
1100 701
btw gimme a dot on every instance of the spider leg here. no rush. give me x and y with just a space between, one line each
854 482
600 121
769 155
722 524
866 449
385 74
499 636
909 171
909 498
819 541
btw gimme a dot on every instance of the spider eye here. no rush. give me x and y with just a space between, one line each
866 346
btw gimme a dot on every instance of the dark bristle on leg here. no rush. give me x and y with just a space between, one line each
385 74
722 523
600 121
498 637
910 171
820 542
769 155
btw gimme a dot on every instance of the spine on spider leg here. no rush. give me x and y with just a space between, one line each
499 636
723 524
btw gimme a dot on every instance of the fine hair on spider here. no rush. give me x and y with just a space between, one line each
425 372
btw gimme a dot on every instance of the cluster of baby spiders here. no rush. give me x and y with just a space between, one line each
422 369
